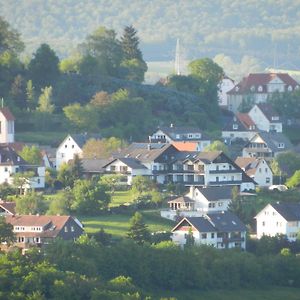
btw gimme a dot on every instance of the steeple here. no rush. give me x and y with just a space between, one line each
178 59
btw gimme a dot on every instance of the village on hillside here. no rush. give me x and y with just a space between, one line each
115 188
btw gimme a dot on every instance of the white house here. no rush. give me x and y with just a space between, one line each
267 145
221 230
7 126
265 117
256 87
225 86
180 134
11 163
279 218
72 145
127 166
240 126
256 168
199 201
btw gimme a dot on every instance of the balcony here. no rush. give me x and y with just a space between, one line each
224 171
225 182
233 239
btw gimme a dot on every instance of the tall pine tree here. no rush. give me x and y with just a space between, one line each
138 230
130 44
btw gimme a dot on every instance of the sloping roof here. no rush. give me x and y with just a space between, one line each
260 79
224 221
9 157
8 206
132 163
82 138
214 193
94 165
173 131
235 122
7 114
272 139
144 152
185 146
289 211
269 112
52 224
245 119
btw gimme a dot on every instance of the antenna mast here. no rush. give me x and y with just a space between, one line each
177 59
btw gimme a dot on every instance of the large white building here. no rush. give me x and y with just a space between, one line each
225 86
221 230
279 218
256 87
7 126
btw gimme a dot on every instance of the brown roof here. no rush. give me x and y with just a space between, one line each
8 206
7 114
182 199
36 220
245 119
249 164
261 79
185 146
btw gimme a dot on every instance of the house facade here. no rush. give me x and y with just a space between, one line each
7 126
267 145
180 134
256 87
222 230
256 168
265 117
11 163
279 218
225 86
72 145
38 231
199 201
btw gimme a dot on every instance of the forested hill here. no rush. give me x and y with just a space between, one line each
262 29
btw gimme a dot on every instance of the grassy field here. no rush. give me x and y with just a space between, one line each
118 224
120 197
43 138
274 293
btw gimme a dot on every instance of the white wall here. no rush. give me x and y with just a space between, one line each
66 151
225 86
263 172
7 130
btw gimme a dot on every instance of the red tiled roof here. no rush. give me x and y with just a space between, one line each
261 79
245 119
7 114
8 206
185 146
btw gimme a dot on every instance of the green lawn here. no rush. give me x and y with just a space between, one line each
120 197
44 137
274 293
118 224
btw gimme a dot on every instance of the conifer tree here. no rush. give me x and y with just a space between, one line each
138 230
130 44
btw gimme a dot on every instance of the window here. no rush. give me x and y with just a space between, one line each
263 223
66 229
259 170
37 240
72 228
190 136
66 146
281 145
5 169
217 179
232 178
235 126
73 146
290 88
212 235
268 180
62 155
220 204
204 235
39 181
266 170
260 88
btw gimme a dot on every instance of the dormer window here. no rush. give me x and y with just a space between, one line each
275 118
190 136
252 89
290 88
281 145
297 87
260 88
234 126
236 88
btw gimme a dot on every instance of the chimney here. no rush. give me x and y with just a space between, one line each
171 125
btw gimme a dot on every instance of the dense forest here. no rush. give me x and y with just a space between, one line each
261 29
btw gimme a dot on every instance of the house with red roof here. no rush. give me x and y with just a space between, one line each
256 87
